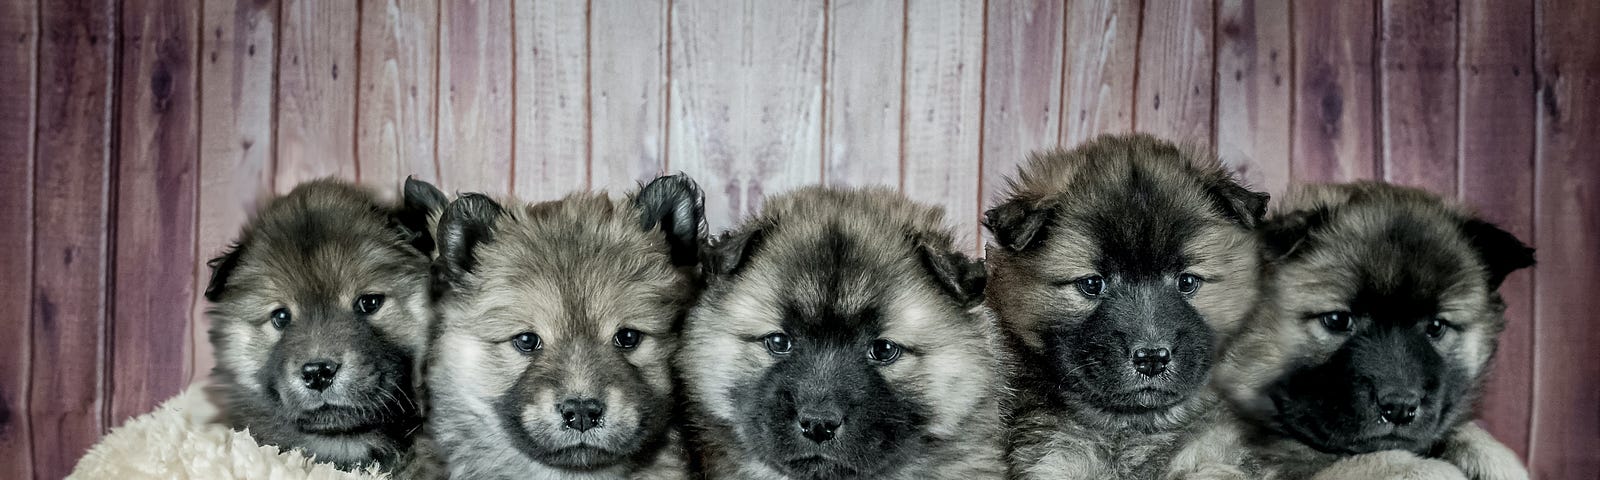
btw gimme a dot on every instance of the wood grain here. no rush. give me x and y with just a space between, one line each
1334 120
399 71
317 71
627 92
552 98
475 97
1496 165
745 116
1254 91
1022 87
1176 71
1099 83
866 61
1417 57
72 179
944 110
19 34
157 159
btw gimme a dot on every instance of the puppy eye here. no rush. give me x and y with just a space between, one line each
1188 283
527 342
280 318
1340 322
627 338
884 351
1091 285
1435 328
369 304
778 344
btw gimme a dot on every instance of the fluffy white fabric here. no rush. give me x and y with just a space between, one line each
180 441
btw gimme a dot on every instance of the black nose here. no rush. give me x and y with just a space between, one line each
1151 361
1399 408
318 374
582 414
819 426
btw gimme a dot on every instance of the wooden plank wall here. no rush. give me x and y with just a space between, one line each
136 135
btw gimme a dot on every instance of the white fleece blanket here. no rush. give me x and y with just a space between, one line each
180 441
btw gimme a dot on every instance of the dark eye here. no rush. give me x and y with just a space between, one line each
280 318
1435 328
627 338
1188 283
1337 321
527 342
778 344
884 351
369 304
1091 285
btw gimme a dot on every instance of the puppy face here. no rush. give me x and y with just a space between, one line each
839 337
1381 321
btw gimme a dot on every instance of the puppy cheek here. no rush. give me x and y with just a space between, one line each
717 363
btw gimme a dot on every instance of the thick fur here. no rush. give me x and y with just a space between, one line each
574 272
1138 214
312 253
835 271
1310 397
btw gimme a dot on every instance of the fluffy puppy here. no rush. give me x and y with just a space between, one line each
1119 268
842 336
558 320
320 312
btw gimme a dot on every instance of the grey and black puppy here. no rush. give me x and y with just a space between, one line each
842 336
558 322
1118 270
320 312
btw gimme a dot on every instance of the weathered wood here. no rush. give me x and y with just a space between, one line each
863 89
19 34
1334 121
157 159
1254 91
1176 71
399 70
627 92
745 111
72 178
1022 87
1102 41
943 110
552 98
316 101
475 96
1418 93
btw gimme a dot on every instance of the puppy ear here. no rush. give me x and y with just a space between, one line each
961 277
727 255
421 201
466 223
221 268
1016 225
1283 235
1239 204
675 205
1500 251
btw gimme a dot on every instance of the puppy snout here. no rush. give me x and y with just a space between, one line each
1151 361
319 374
1399 406
819 424
582 414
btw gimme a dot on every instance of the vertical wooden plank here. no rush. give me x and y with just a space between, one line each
239 49
1334 124
552 98
1176 71
394 131
475 96
1022 87
746 94
1566 425
1254 91
1418 93
627 92
19 37
72 180
1102 41
861 137
944 109
1496 139
155 204
316 102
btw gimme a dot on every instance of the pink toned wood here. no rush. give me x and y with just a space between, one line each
944 110
552 98
745 112
627 92
1566 424
1496 141
72 178
1335 121
1418 100
1254 91
863 89
316 103
1176 71
238 54
475 96
399 70
1022 88
19 33
1102 41
157 162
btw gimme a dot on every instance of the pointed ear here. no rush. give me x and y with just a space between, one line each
1283 235
961 277
674 205
221 268
727 255
1500 251
466 223
422 200
1016 225
1239 204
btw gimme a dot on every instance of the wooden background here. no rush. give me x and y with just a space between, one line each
135 136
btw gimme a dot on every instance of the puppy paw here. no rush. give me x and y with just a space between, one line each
1481 457
1391 464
